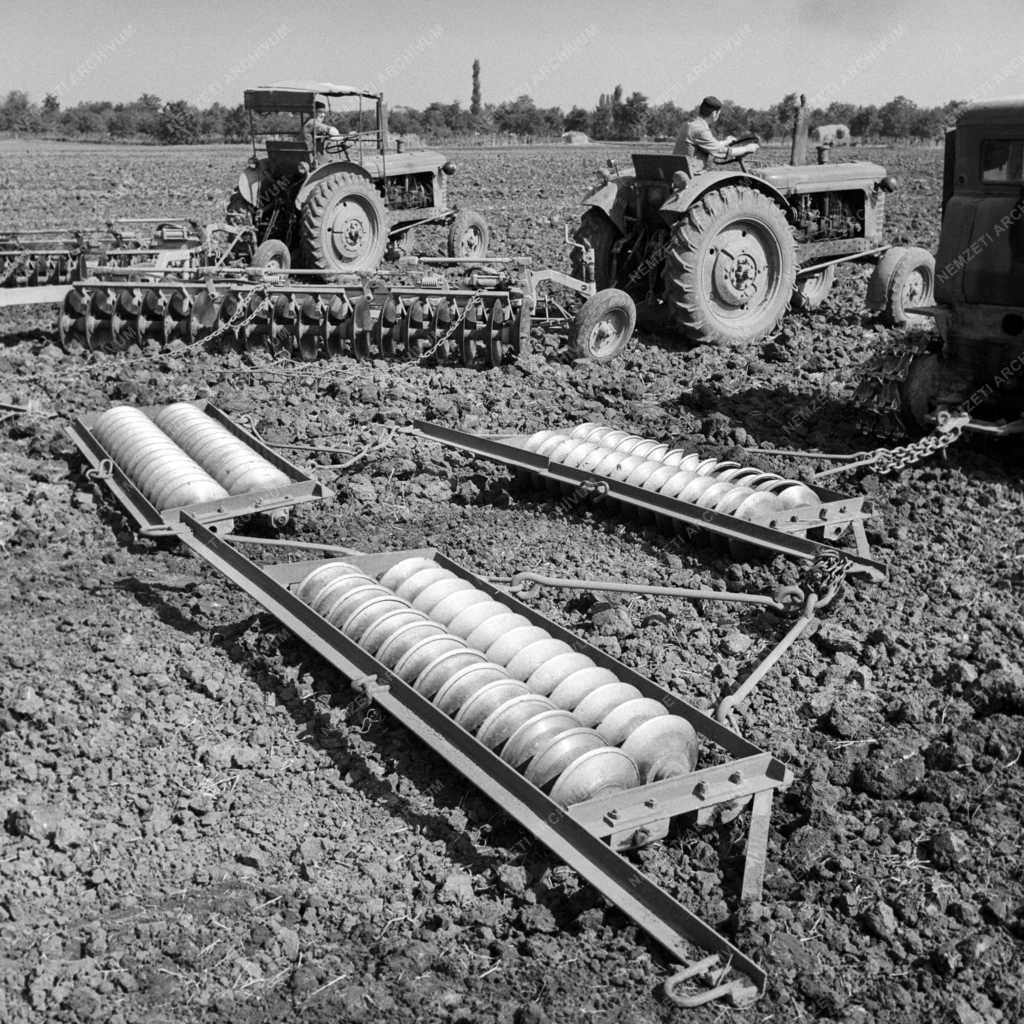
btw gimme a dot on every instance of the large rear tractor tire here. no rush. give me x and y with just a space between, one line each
730 269
468 236
344 225
603 326
902 279
600 233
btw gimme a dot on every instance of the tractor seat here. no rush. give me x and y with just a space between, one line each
285 155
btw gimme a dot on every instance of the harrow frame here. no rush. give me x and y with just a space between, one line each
835 514
586 836
151 522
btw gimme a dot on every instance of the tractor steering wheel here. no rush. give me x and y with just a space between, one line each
340 143
744 140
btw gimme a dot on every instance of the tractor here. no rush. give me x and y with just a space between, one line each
339 200
972 367
719 255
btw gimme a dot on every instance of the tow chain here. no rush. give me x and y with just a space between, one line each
239 320
444 338
891 460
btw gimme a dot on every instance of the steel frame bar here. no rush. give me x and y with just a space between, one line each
835 509
574 835
151 522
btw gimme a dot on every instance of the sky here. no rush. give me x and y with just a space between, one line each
860 51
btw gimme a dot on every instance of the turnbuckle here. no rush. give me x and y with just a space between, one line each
739 993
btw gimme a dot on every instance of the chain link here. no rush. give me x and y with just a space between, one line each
825 576
891 460
238 320
450 333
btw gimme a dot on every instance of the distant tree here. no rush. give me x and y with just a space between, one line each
601 120
15 112
629 119
84 119
236 125
211 120
51 105
865 123
896 117
666 119
519 116
123 122
927 123
474 103
179 124
577 120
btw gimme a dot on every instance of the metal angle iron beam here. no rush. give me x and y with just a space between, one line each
574 834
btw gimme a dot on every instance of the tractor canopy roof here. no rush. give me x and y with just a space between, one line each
1007 110
298 96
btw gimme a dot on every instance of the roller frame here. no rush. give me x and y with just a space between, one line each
151 522
834 516
585 835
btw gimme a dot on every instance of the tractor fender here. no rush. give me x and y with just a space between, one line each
613 199
326 172
249 185
679 202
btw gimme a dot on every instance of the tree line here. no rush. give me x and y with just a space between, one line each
614 117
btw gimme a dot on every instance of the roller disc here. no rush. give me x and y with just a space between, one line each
596 773
663 747
552 759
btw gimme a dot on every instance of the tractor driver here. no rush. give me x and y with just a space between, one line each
317 130
698 144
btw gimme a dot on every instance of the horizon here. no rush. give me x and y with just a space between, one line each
110 50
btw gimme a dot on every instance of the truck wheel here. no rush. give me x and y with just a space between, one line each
603 326
344 224
468 236
272 253
919 391
730 269
597 230
902 279
812 289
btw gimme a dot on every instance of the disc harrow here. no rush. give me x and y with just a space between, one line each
30 259
162 459
586 754
56 256
468 326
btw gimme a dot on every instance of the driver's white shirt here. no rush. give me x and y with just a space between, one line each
321 130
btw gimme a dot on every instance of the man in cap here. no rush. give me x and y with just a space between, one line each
697 142
317 130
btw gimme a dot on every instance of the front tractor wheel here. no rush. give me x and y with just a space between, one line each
730 269
902 279
272 253
344 225
603 326
468 236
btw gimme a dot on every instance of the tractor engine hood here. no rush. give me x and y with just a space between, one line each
822 177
